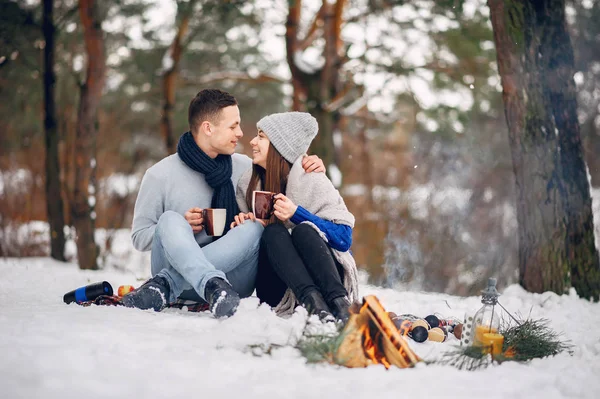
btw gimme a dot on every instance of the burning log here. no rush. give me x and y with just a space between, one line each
370 337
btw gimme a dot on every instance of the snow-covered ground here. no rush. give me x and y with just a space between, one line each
53 350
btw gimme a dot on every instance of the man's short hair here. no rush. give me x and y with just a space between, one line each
207 105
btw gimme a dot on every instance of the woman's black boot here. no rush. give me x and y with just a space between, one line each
315 304
340 307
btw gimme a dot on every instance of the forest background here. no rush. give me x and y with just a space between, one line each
413 129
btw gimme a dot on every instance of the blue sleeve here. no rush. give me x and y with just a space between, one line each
338 235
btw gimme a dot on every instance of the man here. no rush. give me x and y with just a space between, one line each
167 220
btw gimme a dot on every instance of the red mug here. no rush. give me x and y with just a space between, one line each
263 203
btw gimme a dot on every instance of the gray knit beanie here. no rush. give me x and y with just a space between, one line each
290 132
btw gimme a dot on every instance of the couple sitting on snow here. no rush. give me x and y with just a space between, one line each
311 266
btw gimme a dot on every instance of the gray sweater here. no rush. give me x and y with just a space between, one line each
170 185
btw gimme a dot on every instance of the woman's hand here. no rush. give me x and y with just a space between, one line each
239 219
284 208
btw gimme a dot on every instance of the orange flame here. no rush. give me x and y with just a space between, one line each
371 333
372 344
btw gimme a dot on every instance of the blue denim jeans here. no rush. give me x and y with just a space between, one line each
177 257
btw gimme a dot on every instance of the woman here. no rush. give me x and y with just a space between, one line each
304 253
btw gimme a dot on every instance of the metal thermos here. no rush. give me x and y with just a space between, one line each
88 292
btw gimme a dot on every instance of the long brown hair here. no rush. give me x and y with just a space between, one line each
274 178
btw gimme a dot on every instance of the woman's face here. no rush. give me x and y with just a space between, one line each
260 149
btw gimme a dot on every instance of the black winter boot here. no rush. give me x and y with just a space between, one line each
221 297
153 294
340 308
315 304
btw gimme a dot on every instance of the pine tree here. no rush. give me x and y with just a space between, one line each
54 201
87 131
556 232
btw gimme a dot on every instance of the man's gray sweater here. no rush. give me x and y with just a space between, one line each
170 185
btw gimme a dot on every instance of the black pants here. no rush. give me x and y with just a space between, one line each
301 261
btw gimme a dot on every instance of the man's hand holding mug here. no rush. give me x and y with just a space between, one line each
195 219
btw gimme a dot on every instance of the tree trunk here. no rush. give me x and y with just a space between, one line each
166 124
554 214
292 44
54 202
322 145
170 76
328 84
313 91
86 134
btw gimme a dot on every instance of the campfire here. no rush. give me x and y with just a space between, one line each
370 337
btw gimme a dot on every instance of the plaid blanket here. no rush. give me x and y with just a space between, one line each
192 306
114 300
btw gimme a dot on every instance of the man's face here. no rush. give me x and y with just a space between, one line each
226 132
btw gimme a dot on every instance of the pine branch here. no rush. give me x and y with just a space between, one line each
259 350
316 348
533 339
466 358
320 348
530 339
315 29
237 76
65 18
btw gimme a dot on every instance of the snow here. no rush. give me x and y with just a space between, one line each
308 61
420 197
32 233
336 175
120 184
449 199
53 350
17 180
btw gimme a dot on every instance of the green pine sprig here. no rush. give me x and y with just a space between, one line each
320 348
465 358
530 339
316 348
533 339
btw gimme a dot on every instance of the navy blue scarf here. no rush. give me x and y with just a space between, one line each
217 173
